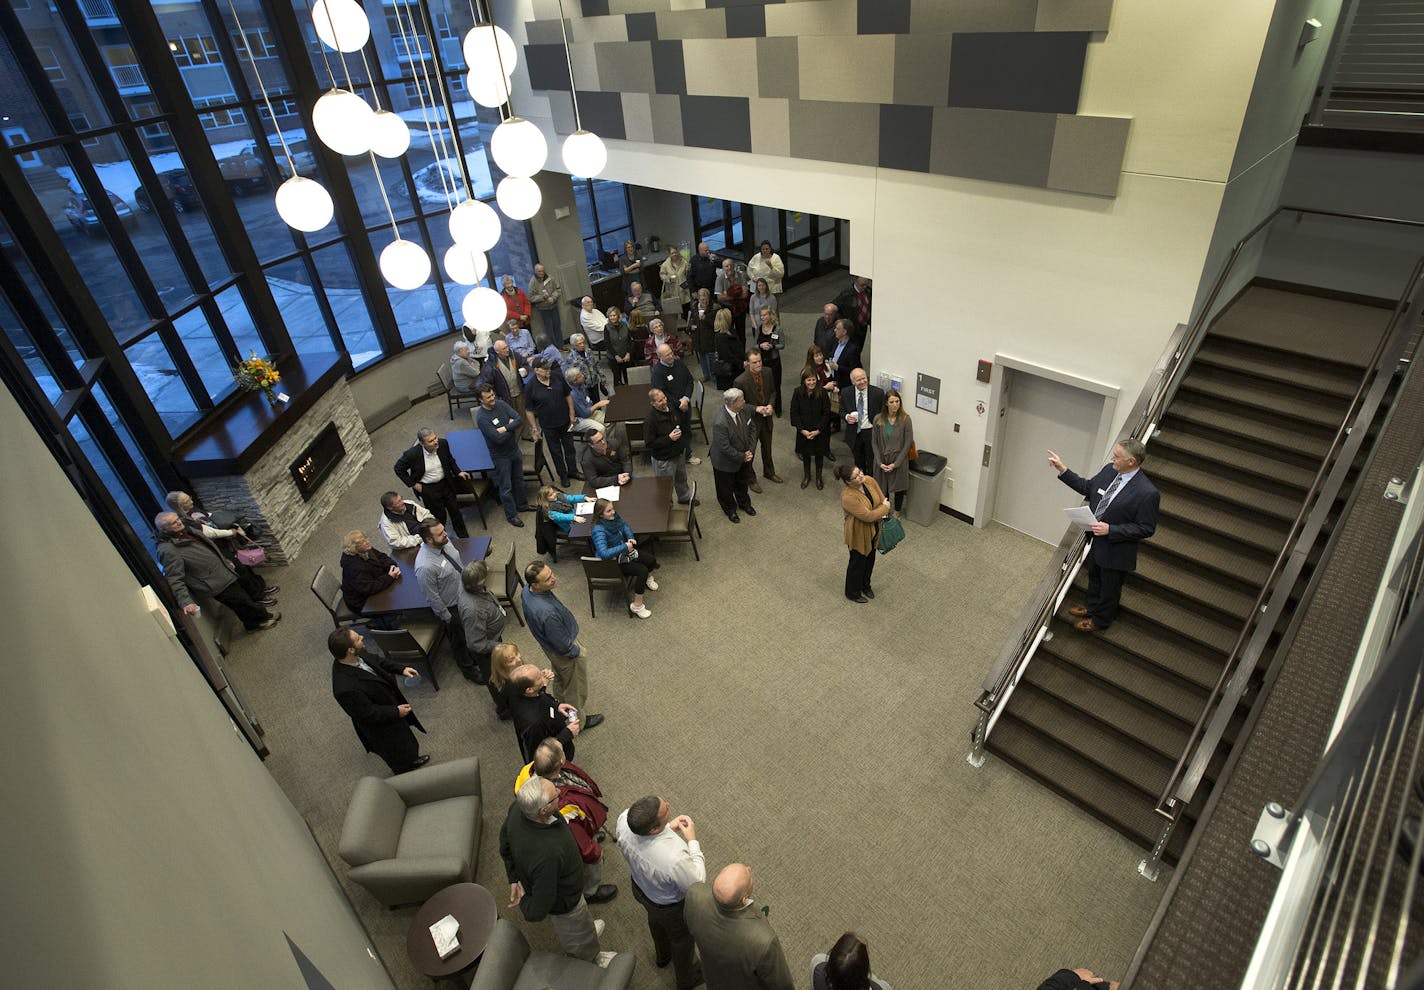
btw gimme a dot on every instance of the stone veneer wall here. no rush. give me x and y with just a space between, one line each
268 492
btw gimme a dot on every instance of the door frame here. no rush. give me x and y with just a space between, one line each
1005 365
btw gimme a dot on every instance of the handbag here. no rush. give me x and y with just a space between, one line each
628 556
892 531
914 454
251 554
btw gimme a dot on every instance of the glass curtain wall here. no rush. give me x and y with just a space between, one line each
141 255
606 216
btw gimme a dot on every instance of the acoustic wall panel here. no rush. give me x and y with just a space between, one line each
985 89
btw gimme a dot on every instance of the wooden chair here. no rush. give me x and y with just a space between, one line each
476 490
327 588
639 374
699 395
605 574
452 398
682 523
414 644
513 581
540 467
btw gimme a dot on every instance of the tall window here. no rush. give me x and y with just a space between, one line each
605 216
719 223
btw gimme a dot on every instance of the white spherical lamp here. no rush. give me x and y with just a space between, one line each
488 89
390 135
341 24
489 48
464 264
518 147
343 122
476 225
584 154
484 309
405 264
304 204
518 197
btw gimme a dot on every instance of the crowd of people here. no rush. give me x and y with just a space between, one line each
552 841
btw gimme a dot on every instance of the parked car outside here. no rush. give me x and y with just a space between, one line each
179 187
82 217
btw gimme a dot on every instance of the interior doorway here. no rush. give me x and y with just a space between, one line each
1038 409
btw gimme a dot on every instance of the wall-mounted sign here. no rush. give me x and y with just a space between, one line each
927 393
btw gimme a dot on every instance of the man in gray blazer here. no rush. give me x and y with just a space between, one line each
437 568
733 441
739 949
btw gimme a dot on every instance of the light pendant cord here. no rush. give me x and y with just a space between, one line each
569 59
247 47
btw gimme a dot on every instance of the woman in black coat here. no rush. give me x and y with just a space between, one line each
811 418
730 356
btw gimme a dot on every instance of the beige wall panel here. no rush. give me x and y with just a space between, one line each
850 69
771 127
803 20
692 24
721 67
638 116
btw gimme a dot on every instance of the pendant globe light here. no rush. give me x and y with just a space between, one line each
490 51
584 152
488 89
518 147
343 121
405 264
341 24
484 309
475 224
304 204
390 135
464 264
519 197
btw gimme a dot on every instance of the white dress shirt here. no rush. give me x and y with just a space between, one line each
434 470
663 865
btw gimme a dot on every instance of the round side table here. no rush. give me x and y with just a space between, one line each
473 907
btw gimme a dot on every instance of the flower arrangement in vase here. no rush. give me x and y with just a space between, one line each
256 374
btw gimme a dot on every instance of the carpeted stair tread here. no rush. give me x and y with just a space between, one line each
1255 496
1173 537
1099 793
1271 401
1124 672
1270 364
1232 459
1201 511
1164 610
1227 595
1151 644
1154 728
1093 740
1311 440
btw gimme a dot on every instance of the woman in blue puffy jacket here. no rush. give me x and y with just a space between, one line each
613 540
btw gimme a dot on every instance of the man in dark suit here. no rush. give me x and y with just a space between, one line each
733 440
431 472
854 304
757 385
1124 504
824 334
740 951
366 690
861 402
844 354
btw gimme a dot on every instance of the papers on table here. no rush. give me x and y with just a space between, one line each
610 493
1080 515
583 508
445 934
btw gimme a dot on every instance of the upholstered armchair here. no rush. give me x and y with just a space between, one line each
508 964
408 836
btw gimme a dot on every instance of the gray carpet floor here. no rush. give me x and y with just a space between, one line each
819 741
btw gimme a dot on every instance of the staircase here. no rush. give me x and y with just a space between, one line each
1102 718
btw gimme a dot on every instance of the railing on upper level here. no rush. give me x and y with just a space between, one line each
1349 872
1142 421
1373 77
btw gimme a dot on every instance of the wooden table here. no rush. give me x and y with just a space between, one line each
628 405
406 593
470 450
645 505
473 907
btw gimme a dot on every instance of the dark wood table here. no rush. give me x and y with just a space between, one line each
406 593
628 405
470 450
644 503
473 907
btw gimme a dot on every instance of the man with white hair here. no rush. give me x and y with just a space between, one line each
429 469
546 872
545 293
672 376
463 368
193 565
505 371
588 415
733 440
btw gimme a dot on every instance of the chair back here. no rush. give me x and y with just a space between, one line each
327 588
447 380
513 580
601 573
640 374
699 393
397 644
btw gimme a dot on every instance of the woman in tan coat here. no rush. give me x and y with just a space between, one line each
864 505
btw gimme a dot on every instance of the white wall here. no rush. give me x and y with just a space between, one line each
147 845
964 268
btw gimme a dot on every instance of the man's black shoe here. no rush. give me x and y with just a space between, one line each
605 892
591 722
734 517
516 521
868 593
749 510
859 600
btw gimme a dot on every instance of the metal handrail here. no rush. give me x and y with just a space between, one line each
1182 348
1181 785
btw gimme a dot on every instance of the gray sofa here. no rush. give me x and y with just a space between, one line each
408 836
508 964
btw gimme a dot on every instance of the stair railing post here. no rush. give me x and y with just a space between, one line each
980 732
1151 867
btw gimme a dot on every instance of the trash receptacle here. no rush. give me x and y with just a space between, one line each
926 483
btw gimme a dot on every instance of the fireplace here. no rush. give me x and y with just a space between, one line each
317 461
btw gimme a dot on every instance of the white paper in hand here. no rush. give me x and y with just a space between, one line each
583 509
610 493
1080 515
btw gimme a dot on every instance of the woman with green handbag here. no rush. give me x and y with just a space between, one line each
865 505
